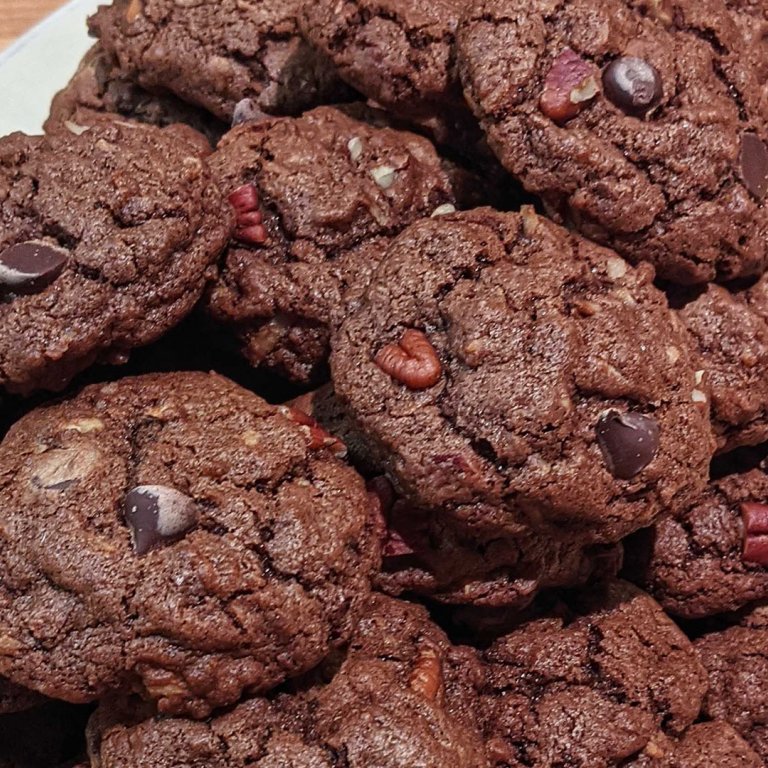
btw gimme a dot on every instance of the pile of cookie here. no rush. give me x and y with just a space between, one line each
384 384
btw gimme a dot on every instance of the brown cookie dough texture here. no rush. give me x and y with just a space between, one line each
133 223
515 376
672 169
399 698
254 567
590 685
216 53
705 745
737 662
99 92
329 192
696 565
426 554
730 334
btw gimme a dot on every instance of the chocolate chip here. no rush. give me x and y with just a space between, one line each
754 164
30 267
628 441
632 84
158 515
246 111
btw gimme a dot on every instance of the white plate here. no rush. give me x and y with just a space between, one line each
39 64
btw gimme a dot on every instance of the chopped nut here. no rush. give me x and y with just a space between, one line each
697 396
78 130
133 11
673 355
616 268
84 426
251 438
413 361
755 519
570 84
444 210
249 227
384 176
355 147
427 673
317 436
59 468
698 377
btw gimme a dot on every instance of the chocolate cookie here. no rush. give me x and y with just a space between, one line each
107 240
731 339
515 376
713 558
589 685
214 54
99 92
316 199
705 745
427 555
642 123
737 662
395 701
176 535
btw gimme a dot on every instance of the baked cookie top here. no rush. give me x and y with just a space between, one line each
215 54
107 240
317 197
590 684
499 362
395 700
177 535
642 123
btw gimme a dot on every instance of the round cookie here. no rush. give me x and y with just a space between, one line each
176 535
590 684
215 54
730 334
425 554
99 92
515 376
396 700
642 123
705 745
107 241
316 199
737 662
711 559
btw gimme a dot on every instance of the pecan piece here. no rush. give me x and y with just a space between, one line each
755 518
413 361
249 223
318 437
570 84
427 674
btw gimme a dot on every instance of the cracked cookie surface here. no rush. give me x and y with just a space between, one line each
252 569
329 191
397 699
214 54
642 123
99 92
737 662
694 564
589 685
515 376
106 242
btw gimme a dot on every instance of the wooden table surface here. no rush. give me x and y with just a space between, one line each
17 16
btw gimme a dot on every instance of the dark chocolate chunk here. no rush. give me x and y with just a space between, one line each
158 515
30 267
632 84
628 441
754 164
